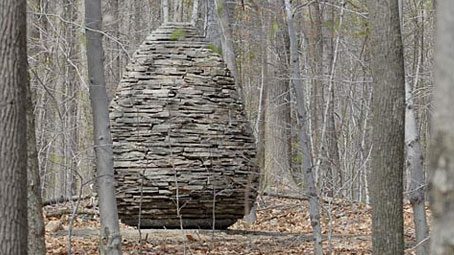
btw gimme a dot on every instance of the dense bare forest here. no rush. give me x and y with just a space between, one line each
325 123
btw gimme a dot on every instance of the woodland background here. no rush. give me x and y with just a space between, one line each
334 49
333 37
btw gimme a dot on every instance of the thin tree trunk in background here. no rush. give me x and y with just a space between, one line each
415 160
333 171
388 121
36 241
113 74
417 177
36 231
177 10
212 29
13 131
277 116
137 10
70 89
260 123
222 10
195 11
110 230
308 175
316 66
331 44
442 148
165 10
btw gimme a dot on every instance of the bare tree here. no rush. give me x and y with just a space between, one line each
416 176
165 10
315 52
36 241
388 109
35 217
415 159
222 11
177 10
276 171
13 131
110 230
195 11
308 175
442 188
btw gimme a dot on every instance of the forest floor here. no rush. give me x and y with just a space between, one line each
282 227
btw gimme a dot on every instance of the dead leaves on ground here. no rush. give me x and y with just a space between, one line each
282 227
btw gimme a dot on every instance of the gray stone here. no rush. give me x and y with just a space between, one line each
179 134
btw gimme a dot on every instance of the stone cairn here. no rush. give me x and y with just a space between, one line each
183 149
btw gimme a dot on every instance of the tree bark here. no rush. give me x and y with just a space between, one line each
276 172
331 157
195 11
212 29
317 72
110 230
165 10
36 241
417 176
177 10
262 109
222 11
388 118
13 131
441 185
36 231
308 175
415 161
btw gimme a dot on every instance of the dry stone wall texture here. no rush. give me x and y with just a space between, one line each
183 149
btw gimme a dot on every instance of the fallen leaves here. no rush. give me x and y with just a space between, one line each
282 227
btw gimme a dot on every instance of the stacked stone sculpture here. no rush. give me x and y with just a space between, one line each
183 148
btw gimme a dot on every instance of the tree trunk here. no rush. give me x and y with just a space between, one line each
13 131
212 29
222 10
110 230
165 10
195 11
36 241
316 66
415 160
70 91
442 188
177 10
262 109
388 110
417 176
114 55
277 118
331 157
308 175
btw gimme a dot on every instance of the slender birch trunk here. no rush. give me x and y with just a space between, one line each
417 178
415 161
110 229
296 81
